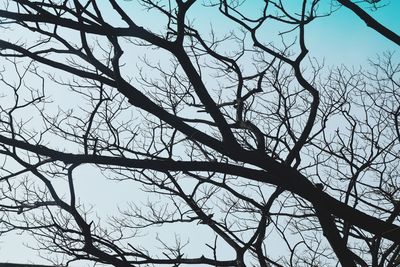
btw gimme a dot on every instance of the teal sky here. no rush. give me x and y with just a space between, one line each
341 38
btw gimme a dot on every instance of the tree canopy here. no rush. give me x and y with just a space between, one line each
213 145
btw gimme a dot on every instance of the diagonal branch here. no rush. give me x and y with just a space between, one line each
370 21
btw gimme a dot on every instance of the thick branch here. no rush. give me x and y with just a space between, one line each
288 178
370 21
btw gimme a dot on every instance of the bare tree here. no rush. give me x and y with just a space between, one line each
239 140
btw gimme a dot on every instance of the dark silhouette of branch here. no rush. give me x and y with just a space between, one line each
371 22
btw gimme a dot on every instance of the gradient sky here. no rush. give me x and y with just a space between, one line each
341 38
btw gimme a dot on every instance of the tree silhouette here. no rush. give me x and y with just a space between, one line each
236 141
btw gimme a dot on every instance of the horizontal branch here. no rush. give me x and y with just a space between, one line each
288 178
131 31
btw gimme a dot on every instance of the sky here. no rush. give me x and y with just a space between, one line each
341 38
